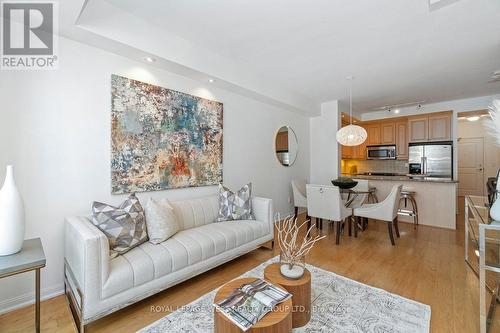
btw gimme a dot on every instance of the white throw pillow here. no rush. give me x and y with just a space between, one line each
160 220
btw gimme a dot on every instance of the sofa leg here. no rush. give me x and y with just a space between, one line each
76 313
269 245
75 309
296 212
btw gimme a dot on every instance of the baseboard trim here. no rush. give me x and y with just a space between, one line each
26 299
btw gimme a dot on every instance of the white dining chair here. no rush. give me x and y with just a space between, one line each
299 196
360 199
387 211
325 202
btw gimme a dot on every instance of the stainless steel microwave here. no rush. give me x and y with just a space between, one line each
384 152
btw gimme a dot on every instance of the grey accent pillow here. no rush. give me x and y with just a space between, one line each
160 220
125 225
235 205
226 198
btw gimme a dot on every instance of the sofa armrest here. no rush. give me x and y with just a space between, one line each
262 209
86 252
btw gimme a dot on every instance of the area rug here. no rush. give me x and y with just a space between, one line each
339 304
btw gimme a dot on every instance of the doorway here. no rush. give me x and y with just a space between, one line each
471 166
477 152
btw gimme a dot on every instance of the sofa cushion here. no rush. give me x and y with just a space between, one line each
161 221
188 247
125 225
195 212
235 205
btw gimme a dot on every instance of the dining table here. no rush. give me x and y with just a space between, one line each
351 194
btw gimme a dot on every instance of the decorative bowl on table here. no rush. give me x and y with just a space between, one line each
344 182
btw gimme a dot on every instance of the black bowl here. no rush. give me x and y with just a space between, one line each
345 185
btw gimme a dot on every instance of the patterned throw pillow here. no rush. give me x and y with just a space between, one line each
161 221
125 226
235 205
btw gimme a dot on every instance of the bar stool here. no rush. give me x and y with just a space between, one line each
408 196
372 195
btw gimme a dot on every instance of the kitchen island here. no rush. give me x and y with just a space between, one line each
436 197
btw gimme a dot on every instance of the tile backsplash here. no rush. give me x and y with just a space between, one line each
360 166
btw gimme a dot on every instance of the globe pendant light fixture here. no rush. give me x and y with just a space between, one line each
351 135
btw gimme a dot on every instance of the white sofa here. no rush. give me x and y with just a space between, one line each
97 286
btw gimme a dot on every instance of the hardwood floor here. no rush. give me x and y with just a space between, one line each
426 265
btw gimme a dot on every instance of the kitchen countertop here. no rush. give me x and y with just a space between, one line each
402 178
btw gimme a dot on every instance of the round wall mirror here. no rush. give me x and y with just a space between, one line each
286 146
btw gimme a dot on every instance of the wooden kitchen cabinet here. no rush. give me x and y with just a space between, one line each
347 152
430 127
440 127
361 150
373 130
418 129
282 141
401 140
400 131
387 133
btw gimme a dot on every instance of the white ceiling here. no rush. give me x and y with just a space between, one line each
398 50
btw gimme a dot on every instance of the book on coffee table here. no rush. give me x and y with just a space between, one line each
246 305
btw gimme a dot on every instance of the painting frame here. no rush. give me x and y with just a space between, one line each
163 139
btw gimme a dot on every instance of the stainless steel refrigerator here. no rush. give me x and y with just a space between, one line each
431 159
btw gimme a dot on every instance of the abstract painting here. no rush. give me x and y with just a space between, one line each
162 138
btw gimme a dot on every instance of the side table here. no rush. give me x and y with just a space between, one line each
300 289
30 258
277 321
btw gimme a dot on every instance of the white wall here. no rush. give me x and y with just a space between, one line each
324 149
55 130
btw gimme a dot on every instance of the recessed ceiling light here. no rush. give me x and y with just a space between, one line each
396 111
211 80
473 118
437 4
149 59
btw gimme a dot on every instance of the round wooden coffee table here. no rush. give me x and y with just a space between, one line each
277 321
300 289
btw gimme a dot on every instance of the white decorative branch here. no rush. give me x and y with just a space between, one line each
288 232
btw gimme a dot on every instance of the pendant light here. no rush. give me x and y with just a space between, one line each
351 135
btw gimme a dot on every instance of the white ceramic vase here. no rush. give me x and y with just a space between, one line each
11 216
